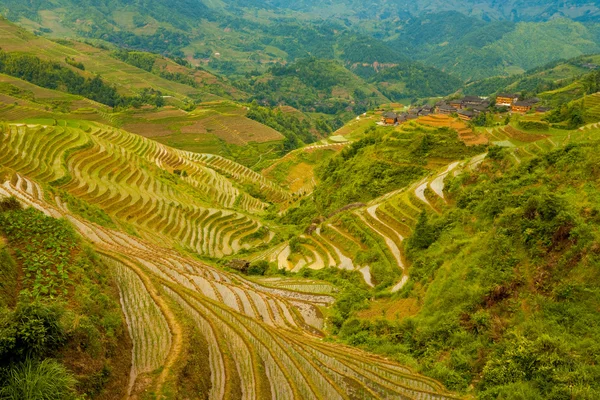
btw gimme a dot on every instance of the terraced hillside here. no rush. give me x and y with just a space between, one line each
260 341
164 194
127 78
382 225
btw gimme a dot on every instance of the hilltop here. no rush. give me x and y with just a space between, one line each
472 40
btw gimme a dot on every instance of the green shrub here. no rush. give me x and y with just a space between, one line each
258 267
10 204
33 330
33 380
8 279
534 125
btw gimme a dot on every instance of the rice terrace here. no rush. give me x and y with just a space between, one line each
233 200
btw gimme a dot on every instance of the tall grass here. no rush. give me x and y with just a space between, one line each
38 380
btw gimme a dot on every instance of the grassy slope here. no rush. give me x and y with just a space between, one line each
127 78
81 298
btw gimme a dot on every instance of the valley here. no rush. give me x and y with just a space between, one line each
318 226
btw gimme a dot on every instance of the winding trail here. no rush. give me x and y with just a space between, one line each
420 192
366 273
437 185
394 249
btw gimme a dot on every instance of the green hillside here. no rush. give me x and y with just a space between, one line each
263 231
314 85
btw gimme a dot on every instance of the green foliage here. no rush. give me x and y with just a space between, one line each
68 302
33 330
380 162
44 245
38 380
10 204
8 279
412 80
297 132
534 125
138 59
300 215
572 115
352 297
52 75
423 235
259 267
508 281
313 85
77 64
88 211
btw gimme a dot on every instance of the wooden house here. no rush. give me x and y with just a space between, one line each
389 118
521 107
445 109
240 265
466 115
457 104
472 101
506 99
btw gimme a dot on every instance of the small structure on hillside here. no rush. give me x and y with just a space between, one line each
457 104
525 105
389 118
240 265
445 109
506 99
521 107
466 115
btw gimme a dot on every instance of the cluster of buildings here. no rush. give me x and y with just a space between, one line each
467 108
392 118
518 106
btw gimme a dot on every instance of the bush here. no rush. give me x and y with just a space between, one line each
534 125
33 380
258 267
32 330
10 204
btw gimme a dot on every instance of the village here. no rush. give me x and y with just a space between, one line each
468 108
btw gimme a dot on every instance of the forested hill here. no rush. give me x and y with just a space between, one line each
472 40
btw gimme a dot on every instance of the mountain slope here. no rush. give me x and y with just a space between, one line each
195 310
127 78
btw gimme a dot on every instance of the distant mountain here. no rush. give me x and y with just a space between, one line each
472 39
314 85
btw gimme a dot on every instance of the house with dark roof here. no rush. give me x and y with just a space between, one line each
389 118
479 109
466 115
506 99
521 106
445 109
456 103
470 101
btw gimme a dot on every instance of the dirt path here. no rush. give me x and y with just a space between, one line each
420 192
366 273
390 244
437 185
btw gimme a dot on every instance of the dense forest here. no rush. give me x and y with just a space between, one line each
313 85
297 132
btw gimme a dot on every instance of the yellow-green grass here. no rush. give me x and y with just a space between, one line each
127 78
